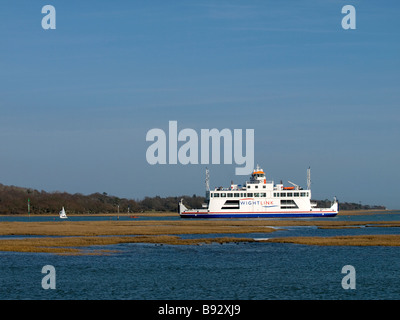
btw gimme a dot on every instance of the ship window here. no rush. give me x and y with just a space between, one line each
256 187
230 195
264 186
275 194
211 194
288 204
223 195
283 194
216 195
290 194
302 194
296 194
236 195
250 194
257 194
263 194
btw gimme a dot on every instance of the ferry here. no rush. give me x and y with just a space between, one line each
259 198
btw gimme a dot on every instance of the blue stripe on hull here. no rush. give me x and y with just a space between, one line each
258 215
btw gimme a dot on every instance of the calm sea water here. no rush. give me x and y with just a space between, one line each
242 271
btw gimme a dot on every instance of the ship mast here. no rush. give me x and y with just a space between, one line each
207 184
308 178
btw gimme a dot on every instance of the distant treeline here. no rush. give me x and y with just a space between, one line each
14 200
349 205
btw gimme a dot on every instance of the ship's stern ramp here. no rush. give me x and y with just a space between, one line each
181 207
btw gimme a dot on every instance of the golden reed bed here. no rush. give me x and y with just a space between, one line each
364 240
82 245
74 237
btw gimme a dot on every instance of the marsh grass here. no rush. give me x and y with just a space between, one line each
159 227
79 237
96 228
82 245
364 240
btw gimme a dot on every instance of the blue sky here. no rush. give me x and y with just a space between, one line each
76 102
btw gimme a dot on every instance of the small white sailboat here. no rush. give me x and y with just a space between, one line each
63 215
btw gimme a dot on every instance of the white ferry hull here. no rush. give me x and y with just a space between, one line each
202 213
227 215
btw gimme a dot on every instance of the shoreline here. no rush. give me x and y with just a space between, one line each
140 214
367 212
